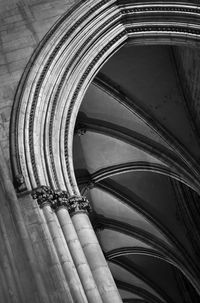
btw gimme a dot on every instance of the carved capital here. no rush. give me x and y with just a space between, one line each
80 130
57 198
91 185
19 183
44 195
61 198
78 204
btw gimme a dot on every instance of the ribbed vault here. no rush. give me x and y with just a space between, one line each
139 178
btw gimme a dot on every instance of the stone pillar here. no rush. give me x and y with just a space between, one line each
75 248
47 202
77 244
11 273
79 208
19 241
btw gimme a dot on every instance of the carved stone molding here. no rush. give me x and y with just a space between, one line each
44 196
59 198
19 183
80 130
78 204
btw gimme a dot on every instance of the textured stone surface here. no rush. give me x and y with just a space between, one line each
23 24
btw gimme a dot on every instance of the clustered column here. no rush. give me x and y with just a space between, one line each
80 248
47 201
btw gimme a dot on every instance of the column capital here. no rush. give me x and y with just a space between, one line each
58 198
44 196
78 204
80 129
61 198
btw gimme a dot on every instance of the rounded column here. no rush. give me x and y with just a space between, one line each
46 200
61 205
79 208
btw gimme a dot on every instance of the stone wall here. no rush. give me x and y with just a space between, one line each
29 271
23 24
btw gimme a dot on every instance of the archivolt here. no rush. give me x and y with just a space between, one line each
58 74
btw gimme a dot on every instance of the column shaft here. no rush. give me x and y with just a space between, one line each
65 258
78 256
96 259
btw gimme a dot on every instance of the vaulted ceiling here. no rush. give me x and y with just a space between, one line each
136 156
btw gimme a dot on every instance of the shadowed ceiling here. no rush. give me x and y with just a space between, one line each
136 156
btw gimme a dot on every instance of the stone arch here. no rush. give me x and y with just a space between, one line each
59 72
61 69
